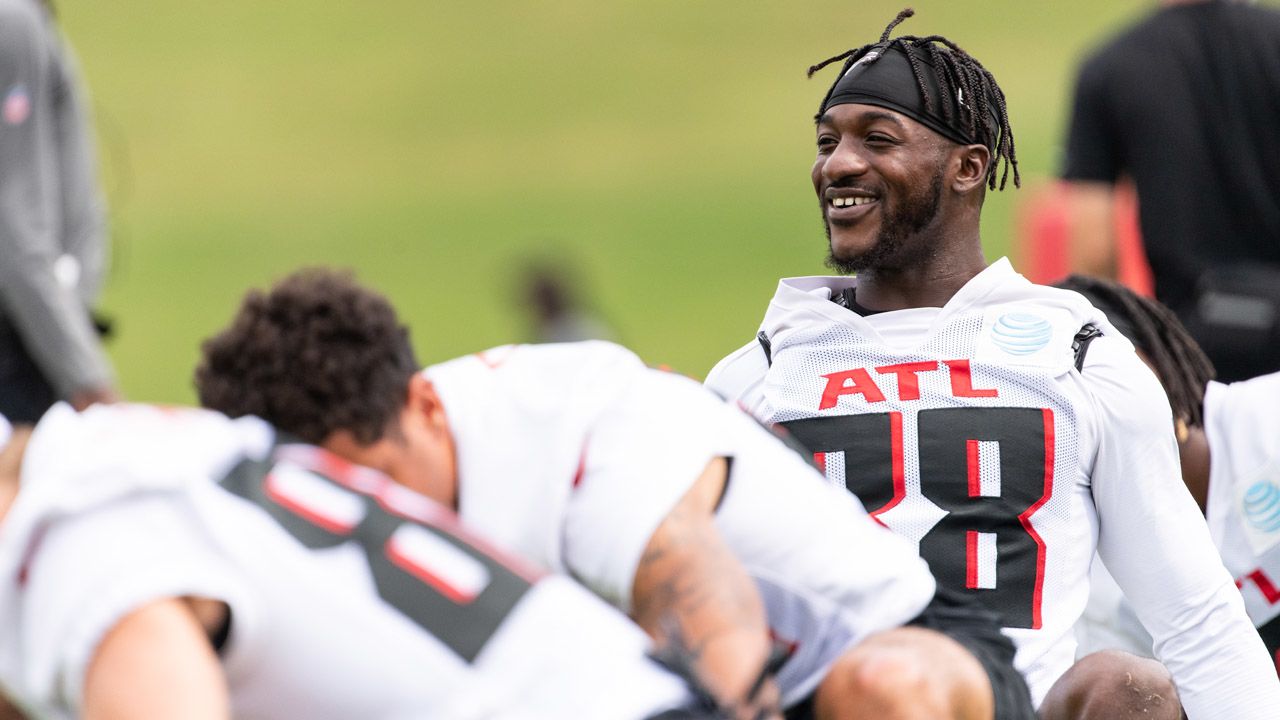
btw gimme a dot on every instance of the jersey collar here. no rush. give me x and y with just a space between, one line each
798 299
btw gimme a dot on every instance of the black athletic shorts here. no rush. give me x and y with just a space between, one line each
25 394
978 630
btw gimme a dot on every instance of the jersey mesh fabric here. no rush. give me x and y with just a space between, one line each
1242 422
794 384
1118 490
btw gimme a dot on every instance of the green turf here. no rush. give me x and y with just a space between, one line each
664 144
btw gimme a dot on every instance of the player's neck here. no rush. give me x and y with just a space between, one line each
928 282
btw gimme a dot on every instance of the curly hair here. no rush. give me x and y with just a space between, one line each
314 354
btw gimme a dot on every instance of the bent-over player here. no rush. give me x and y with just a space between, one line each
578 456
169 563
946 394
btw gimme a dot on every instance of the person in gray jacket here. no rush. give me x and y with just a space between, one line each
53 245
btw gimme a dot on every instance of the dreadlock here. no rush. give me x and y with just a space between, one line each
1179 363
959 75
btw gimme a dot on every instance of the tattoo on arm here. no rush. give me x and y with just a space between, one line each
691 593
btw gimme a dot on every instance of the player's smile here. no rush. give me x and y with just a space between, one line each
877 178
846 206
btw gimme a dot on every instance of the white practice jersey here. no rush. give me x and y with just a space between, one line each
573 454
1242 421
350 597
969 430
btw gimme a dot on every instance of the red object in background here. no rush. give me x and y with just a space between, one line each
1044 237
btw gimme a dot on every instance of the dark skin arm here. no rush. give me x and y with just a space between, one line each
1193 453
9 712
691 590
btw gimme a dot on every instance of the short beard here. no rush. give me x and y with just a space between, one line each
900 222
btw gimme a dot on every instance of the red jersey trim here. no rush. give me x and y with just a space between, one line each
1025 519
899 470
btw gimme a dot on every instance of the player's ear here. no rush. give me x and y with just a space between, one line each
971 163
425 402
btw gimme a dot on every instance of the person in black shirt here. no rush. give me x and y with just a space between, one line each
1185 104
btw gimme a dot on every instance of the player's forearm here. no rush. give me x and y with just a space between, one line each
692 594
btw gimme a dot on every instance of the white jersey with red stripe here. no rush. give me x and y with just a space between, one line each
349 596
573 454
1242 422
969 430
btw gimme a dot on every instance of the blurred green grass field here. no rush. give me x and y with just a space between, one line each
665 145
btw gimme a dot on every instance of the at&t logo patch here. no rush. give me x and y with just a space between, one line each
1027 334
1021 333
1261 506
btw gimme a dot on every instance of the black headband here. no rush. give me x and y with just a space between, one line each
883 77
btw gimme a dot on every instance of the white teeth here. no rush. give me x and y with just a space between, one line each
841 202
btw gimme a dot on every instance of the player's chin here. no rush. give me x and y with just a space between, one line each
849 244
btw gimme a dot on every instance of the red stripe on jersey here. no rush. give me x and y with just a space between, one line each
975 471
1265 586
297 506
971 558
899 473
962 381
29 557
582 466
1025 519
362 479
454 593
820 459
412 506
493 363
790 646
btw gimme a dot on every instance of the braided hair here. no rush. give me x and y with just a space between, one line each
960 75
1179 363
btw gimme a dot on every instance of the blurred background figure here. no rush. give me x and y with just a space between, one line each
552 294
1184 104
53 244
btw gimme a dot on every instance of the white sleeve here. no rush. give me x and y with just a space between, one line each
91 571
1157 546
643 454
1242 421
739 377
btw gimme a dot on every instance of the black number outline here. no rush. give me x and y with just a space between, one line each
1027 441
